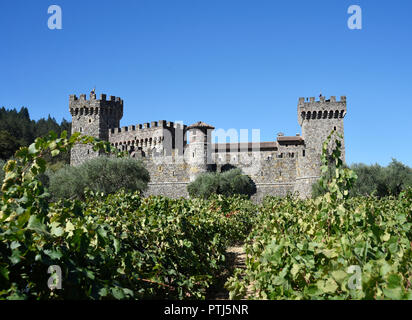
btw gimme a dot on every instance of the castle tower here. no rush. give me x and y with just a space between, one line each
199 149
93 117
317 119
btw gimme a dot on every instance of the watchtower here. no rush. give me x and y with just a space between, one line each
317 119
93 117
199 149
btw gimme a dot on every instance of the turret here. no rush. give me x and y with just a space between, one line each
317 119
93 117
199 149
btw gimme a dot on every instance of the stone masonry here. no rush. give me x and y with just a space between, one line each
290 164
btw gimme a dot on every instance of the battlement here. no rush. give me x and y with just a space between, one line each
103 97
312 109
83 106
147 127
312 100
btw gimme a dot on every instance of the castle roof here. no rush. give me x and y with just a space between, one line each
200 124
298 139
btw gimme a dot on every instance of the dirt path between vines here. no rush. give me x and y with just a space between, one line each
235 258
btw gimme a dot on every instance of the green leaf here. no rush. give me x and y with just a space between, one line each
103 292
15 256
35 224
54 254
55 152
32 148
330 286
339 275
394 294
56 229
330 253
118 293
294 271
14 245
4 272
116 244
385 237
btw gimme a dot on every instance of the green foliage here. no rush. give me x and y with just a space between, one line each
8 145
17 130
374 180
227 183
303 249
118 246
381 181
121 246
2 163
104 175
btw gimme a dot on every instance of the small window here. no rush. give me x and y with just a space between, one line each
303 152
334 128
90 120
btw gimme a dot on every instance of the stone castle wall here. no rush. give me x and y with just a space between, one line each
290 164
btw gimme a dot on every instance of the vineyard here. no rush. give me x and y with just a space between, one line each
123 246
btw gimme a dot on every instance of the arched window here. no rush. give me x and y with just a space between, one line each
314 115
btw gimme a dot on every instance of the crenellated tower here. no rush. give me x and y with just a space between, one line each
93 117
317 119
199 149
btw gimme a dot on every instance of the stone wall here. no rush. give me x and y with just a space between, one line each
287 165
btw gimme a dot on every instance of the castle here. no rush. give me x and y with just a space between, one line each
287 165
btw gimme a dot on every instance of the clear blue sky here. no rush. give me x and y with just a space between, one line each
239 64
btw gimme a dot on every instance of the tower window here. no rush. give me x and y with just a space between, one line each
334 128
303 152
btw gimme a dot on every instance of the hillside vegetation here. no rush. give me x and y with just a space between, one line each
18 130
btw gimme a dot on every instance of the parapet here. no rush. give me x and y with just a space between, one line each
309 109
103 97
322 99
82 106
142 127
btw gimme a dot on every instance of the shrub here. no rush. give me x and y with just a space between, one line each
373 180
228 183
103 174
